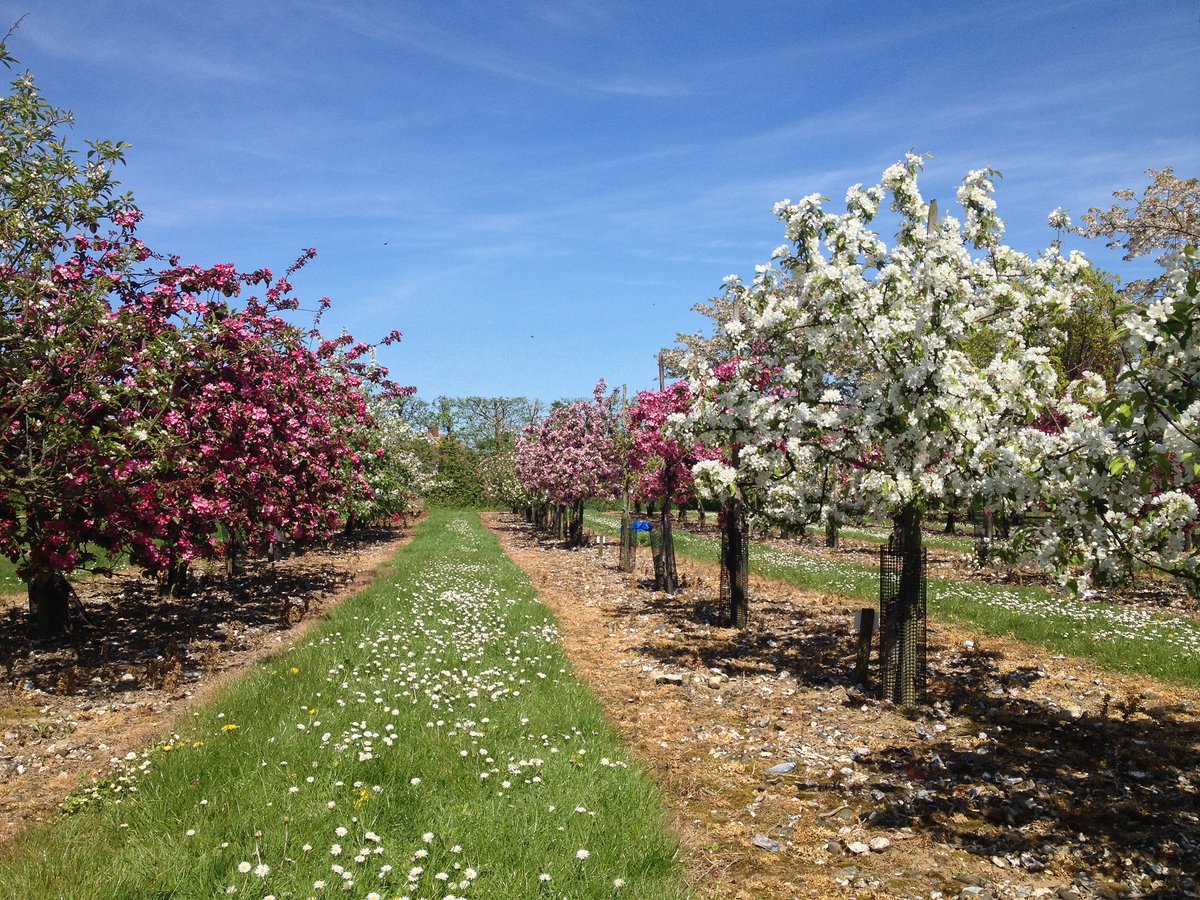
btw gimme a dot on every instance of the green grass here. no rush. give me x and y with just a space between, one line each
956 543
11 584
1123 639
437 703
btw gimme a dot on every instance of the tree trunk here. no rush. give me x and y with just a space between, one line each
951 523
628 543
831 533
734 563
49 604
173 581
575 538
234 549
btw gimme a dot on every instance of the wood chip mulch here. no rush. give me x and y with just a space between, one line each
1028 774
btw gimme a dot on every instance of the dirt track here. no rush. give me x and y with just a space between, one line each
1029 776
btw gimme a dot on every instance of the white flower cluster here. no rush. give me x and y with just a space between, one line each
1122 476
860 376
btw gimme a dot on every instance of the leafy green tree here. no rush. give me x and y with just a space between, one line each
1090 332
456 479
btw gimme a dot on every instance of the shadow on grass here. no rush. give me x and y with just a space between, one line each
127 626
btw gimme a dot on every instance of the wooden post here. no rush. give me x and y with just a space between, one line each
865 624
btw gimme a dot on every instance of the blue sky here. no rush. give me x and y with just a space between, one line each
536 193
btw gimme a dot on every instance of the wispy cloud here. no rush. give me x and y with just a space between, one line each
415 33
75 38
571 16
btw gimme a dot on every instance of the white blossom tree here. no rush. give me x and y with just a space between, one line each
1121 472
916 368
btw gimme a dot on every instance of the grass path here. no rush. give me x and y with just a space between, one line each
1124 639
428 741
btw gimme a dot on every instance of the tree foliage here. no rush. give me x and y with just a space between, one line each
147 406
1164 220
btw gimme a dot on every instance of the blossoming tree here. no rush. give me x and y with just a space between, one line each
914 366
140 408
1122 473
660 461
571 456
267 434
81 377
397 472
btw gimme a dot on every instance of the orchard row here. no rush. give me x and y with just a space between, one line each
943 371
157 411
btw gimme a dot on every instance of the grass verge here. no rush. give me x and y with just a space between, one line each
11 584
1124 639
428 741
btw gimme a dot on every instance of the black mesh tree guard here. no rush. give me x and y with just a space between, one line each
903 637
735 563
985 537
662 546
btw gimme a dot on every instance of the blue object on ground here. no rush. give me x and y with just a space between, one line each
641 525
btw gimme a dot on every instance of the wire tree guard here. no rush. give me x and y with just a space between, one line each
985 537
903 639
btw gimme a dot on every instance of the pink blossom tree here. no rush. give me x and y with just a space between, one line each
663 464
572 456
266 438
140 408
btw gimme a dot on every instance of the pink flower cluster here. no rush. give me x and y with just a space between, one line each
573 453
657 458
143 412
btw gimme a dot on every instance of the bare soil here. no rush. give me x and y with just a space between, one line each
137 662
1028 774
